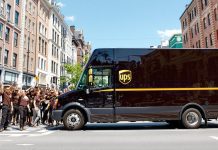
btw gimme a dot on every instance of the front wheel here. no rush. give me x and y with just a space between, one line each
191 118
73 120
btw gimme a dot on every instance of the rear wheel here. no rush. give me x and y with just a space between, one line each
73 120
191 118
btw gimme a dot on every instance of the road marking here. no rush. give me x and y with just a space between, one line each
214 137
24 144
29 134
16 131
5 140
42 131
42 134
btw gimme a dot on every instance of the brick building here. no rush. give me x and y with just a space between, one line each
83 47
200 24
10 30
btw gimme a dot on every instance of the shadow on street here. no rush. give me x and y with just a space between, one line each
131 126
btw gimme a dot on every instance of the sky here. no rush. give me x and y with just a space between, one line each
124 23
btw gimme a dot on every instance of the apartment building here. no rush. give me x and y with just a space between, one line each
200 24
35 43
29 43
42 57
54 44
10 30
83 48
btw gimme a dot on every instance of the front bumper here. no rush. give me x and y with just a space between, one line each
57 115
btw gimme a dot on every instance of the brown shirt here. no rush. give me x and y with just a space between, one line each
6 99
15 99
24 101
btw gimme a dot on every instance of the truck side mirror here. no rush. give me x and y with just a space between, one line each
90 77
87 91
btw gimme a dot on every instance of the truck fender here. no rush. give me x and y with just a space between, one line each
193 105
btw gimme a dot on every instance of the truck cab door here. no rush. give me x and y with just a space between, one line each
100 98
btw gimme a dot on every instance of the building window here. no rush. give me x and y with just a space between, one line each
17 2
6 57
15 39
45 48
24 61
206 42
7 34
208 18
211 40
199 44
39 62
195 11
10 77
33 45
0 55
14 60
33 26
25 38
205 2
16 20
192 33
25 21
31 64
29 25
39 44
30 7
41 67
8 10
1 30
205 23
215 14
198 28
43 42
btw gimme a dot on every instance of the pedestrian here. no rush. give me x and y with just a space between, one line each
15 113
46 107
36 110
53 97
6 109
23 109
1 104
30 95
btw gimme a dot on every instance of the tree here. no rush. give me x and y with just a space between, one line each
73 73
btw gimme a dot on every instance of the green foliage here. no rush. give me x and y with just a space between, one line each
73 73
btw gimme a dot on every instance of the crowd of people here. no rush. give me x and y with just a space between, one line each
30 107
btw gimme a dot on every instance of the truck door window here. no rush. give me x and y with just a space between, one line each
83 81
102 77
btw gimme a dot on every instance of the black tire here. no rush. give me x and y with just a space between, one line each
73 120
191 118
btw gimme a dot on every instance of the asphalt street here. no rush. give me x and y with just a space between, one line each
120 136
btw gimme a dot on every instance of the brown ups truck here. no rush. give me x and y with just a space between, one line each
172 85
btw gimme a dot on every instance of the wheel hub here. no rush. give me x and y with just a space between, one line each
73 120
192 118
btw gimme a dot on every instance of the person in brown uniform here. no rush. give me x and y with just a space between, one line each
6 109
23 108
15 113
36 110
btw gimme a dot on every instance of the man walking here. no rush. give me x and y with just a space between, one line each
6 109
23 108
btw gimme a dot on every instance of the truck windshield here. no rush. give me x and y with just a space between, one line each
83 81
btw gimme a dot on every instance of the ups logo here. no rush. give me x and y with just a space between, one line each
125 76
